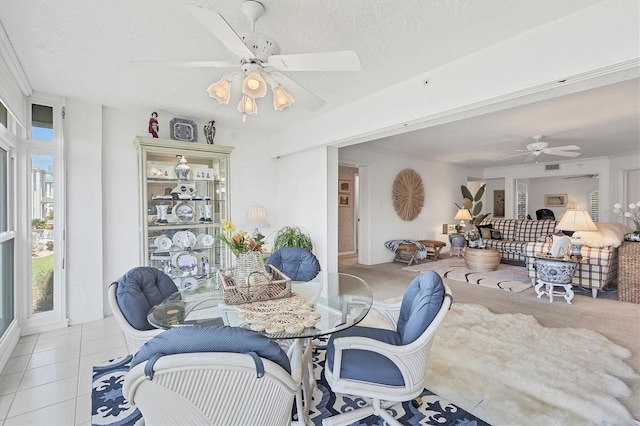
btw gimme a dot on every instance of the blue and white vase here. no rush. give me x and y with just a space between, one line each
554 271
182 168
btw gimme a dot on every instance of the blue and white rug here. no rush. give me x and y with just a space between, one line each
108 406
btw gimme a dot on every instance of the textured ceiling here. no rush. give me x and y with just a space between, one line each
83 50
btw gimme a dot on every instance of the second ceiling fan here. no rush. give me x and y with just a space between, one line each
535 149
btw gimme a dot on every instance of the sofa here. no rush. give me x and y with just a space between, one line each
520 240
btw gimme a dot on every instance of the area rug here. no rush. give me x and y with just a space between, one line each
109 407
527 374
506 277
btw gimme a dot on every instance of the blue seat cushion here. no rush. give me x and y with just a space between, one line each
193 339
367 366
297 263
139 290
420 305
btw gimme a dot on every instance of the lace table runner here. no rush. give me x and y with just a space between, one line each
289 315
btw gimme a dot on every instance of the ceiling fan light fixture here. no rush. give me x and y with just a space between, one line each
281 98
254 85
220 90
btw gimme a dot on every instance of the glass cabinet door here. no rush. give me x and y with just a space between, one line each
183 199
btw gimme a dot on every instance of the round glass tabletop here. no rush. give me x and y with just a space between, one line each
342 300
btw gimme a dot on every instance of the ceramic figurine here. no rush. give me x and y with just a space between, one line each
210 131
153 125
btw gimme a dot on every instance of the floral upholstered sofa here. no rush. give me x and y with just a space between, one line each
520 240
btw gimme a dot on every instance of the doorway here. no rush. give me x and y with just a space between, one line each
348 200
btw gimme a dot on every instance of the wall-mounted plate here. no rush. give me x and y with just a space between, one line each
183 130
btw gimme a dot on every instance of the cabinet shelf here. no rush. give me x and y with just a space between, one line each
208 180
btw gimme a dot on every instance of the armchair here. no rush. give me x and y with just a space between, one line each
297 263
388 366
213 376
131 298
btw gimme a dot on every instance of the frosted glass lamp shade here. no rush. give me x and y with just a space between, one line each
220 91
247 105
281 98
254 85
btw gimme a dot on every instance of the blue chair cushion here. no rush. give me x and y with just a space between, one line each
365 365
181 340
297 263
420 305
139 290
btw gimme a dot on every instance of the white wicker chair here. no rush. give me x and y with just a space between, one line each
133 338
410 359
210 388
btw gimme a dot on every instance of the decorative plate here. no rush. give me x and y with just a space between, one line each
186 262
184 239
184 212
183 130
205 240
189 284
163 243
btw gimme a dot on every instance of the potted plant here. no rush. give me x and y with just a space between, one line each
292 236
473 203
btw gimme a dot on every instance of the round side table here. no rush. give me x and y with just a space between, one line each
482 260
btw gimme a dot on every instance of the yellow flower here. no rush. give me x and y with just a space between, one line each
227 226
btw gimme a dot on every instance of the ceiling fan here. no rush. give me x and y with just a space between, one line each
261 63
536 148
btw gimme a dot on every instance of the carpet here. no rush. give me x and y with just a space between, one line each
108 406
528 374
506 277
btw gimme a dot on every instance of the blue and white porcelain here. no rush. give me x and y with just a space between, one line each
555 271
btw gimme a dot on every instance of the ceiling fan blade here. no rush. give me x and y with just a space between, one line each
344 60
186 64
299 93
564 148
216 24
561 153
531 157
510 156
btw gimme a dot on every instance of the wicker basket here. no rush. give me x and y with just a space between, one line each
277 286
629 272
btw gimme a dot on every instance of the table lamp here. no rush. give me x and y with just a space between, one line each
256 218
462 215
576 220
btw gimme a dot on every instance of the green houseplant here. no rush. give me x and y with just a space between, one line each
292 236
473 203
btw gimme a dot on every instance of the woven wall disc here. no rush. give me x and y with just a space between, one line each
408 194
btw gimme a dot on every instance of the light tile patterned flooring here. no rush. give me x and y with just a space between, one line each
47 381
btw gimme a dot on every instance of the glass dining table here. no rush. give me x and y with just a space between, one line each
340 300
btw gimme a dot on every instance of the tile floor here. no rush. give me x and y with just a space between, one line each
47 381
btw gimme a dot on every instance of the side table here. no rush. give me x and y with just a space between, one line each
554 272
435 245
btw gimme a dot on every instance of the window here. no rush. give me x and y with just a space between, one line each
7 238
594 205
521 200
41 122
4 116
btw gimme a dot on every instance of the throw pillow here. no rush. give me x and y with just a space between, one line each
496 235
486 233
484 227
632 236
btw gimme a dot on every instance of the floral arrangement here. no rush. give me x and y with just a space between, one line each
240 241
633 213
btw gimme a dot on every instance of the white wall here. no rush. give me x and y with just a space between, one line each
578 191
379 221
624 186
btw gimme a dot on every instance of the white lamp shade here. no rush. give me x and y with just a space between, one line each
463 214
220 91
247 105
576 220
281 98
256 217
254 85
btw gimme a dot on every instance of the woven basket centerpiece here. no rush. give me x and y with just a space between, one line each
273 285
